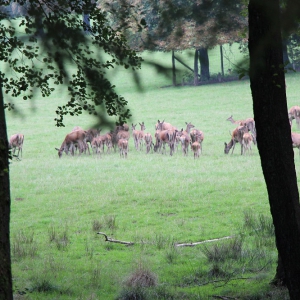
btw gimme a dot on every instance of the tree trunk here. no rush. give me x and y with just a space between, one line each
173 68
274 134
280 278
5 262
196 68
204 64
222 63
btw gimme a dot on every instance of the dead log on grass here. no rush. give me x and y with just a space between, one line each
108 239
203 242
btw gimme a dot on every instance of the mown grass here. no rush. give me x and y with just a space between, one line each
153 200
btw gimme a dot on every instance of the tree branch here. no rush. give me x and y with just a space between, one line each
108 239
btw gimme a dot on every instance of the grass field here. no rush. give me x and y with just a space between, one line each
153 200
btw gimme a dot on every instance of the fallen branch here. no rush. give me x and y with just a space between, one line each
203 242
223 297
108 239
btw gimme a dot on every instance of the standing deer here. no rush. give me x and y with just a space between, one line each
148 142
141 135
294 113
123 147
196 146
164 137
185 138
197 135
296 140
247 142
135 135
16 142
164 126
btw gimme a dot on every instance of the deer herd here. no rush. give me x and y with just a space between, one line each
166 136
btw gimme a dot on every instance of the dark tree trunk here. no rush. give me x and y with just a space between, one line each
204 64
173 68
5 262
196 68
274 134
280 278
222 63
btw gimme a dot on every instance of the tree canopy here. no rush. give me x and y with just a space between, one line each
51 36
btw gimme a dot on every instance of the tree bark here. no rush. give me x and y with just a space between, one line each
204 64
274 134
173 69
5 261
196 67
222 63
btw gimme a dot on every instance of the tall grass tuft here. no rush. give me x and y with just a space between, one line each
141 277
59 238
23 245
223 251
262 225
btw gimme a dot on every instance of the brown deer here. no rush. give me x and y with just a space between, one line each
249 122
148 142
135 135
296 140
123 147
247 143
164 126
196 147
164 137
294 113
123 134
185 137
197 135
78 138
16 142
236 137
141 135
91 133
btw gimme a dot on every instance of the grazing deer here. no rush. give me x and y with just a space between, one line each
294 113
296 140
148 142
78 138
16 141
91 133
249 122
236 137
123 147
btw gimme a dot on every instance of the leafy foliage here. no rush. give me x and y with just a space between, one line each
177 24
54 35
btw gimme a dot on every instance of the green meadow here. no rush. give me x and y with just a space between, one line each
152 200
